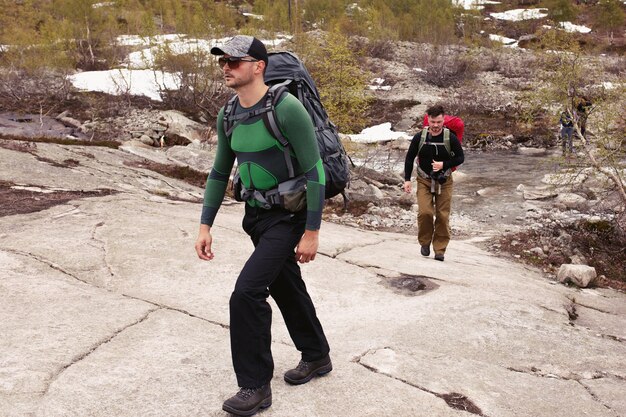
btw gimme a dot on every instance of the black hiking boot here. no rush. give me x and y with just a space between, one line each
439 257
305 371
425 250
249 400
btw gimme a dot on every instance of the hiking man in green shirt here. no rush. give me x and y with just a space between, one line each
272 269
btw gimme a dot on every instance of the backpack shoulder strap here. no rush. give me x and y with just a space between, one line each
446 141
231 121
271 122
423 138
228 122
269 116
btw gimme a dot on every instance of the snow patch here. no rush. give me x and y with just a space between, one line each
503 39
377 84
379 133
517 15
123 81
254 16
570 27
473 4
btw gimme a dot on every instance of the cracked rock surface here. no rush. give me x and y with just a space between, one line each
106 311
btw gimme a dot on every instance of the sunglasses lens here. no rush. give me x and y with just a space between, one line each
233 63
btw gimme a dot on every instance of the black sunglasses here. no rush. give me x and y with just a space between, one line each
233 61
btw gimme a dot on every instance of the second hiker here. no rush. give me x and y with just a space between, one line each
438 151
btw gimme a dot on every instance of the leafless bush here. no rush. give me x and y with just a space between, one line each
34 91
489 61
514 65
446 68
200 92
381 49
471 101
617 67
515 30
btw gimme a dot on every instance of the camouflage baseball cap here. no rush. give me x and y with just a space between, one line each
242 45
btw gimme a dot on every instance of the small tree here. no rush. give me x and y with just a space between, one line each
561 10
341 81
571 75
609 17
276 15
324 13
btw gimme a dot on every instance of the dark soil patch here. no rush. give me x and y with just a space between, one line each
83 106
354 207
15 201
175 198
602 244
490 131
68 163
189 175
381 111
61 141
460 402
411 284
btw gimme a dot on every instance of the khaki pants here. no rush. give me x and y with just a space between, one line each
433 216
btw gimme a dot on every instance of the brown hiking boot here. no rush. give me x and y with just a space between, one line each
305 371
248 401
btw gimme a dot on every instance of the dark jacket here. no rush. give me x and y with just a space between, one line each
432 150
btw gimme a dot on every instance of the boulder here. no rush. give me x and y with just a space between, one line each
571 200
565 179
538 194
488 192
522 150
146 140
180 129
193 157
579 275
459 176
374 191
70 122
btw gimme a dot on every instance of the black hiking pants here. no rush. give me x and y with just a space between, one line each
271 270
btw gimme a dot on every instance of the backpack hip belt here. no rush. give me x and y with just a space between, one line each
290 194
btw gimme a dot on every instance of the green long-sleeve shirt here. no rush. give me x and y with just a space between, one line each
261 159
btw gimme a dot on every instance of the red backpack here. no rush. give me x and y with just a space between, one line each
454 123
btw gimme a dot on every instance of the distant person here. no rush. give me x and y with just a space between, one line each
275 230
434 180
567 132
583 106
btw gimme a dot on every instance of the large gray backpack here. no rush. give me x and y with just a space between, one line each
286 72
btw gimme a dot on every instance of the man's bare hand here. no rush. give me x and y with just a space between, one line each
307 248
407 187
203 243
437 165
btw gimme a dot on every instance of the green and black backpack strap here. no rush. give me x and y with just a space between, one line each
272 98
275 92
231 121
446 140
